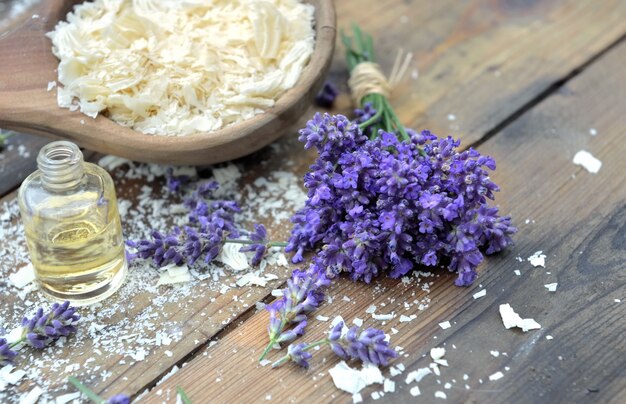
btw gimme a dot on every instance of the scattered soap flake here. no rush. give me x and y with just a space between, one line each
406 319
617 300
357 321
538 259
321 318
549 337
480 294
389 386
383 317
415 391
496 376
494 353
517 272
66 398
440 394
445 325
265 362
32 396
587 161
51 85
357 398
172 274
417 375
231 256
23 276
371 309
451 117
511 319
551 287
352 380
593 131
437 353
110 163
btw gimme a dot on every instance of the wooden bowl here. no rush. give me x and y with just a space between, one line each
27 65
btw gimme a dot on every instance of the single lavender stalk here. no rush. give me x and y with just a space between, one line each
367 346
116 399
302 295
41 330
6 354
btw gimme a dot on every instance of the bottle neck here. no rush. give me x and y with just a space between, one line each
61 165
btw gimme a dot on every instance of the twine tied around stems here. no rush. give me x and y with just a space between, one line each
368 77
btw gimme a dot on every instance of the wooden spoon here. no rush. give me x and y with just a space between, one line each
27 65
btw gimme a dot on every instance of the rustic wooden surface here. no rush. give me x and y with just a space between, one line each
27 105
526 80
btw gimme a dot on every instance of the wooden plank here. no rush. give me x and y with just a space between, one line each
479 61
434 22
18 160
577 219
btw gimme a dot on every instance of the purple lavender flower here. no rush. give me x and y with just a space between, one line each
259 247
326 96
296 353
175 183
368 346
212 222
387 206
302 295
119 399
41 330
6 354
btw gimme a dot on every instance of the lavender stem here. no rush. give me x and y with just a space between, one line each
85 390
269 243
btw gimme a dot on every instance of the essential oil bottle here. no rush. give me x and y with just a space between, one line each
72 226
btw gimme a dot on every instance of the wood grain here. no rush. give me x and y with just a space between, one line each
454 76
27 106
481 60
577 219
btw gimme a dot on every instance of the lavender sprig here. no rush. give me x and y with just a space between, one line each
116 399
211 225
43 329
302 295
367 346
6 354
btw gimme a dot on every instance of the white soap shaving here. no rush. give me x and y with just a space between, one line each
23 276
480 294
32 396
511 319
551 287
383 317
170 67
353 380
587 161
417 375
173 274
538 259
231 256
496 376
445 325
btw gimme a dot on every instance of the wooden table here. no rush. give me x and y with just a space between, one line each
527 82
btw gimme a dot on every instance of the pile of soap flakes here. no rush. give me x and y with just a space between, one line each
138 322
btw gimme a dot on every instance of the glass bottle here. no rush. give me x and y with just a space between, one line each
72 225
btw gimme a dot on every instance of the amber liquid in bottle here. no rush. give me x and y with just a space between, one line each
72 226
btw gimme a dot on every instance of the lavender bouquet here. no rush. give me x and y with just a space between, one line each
383 199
